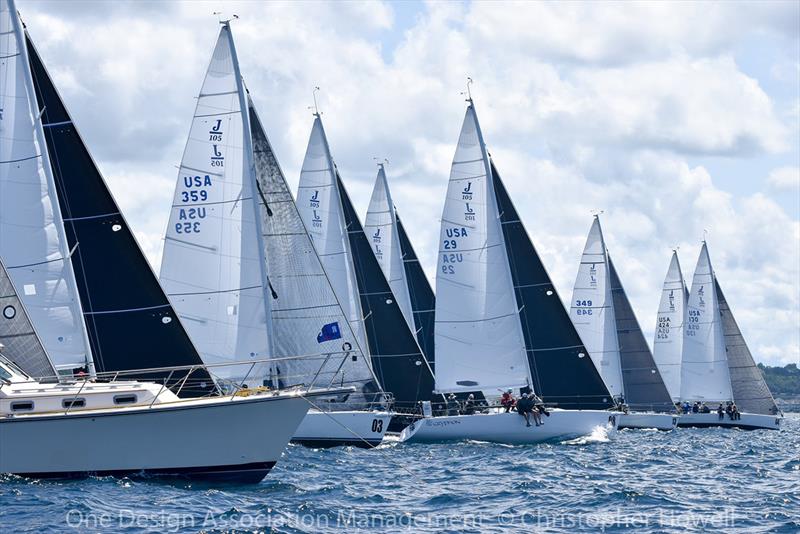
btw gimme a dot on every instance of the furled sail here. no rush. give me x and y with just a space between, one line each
562 372
423 302
750 391
593 310
668 343
130 322
19 341
644 388
211 267
704 368
306 316
320 208
479 340
33 244
381 228
396 357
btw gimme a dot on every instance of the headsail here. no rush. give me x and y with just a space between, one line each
750 391
668 343
33 244
644 387
479 340
704 368
561 370
130 322
19 341
307 318
593 310
211 267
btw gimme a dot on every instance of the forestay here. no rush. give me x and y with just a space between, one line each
704 368
668 343
211 264
33 244
479 341
592 310
307 319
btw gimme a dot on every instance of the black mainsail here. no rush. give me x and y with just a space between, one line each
130 322
561 370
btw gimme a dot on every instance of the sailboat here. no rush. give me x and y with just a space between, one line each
242 286
499 322
141 396
366 295
717 367
605 321
670 322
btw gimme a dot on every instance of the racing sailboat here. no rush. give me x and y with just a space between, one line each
717 367
605 320
499 322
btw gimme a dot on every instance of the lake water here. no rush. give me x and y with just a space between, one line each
689 479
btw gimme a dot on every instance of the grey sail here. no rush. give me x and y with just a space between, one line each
20 343
750 392
644 388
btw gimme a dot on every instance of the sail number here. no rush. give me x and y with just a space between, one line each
377 425
196 191
584 307
692 323
662 328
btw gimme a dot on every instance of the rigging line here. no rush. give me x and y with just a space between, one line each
348 429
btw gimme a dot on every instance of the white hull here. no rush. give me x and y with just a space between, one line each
748 421
332 429
657 421
237 439
509 427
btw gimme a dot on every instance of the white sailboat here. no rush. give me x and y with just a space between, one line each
480 343
716 366
226 225
94 301
606 322
670 322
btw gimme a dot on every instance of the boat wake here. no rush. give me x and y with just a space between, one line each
598 435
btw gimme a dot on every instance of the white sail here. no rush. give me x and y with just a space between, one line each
211 267
380 227
478 337
592 310
668 343
704 366
321 210
33 245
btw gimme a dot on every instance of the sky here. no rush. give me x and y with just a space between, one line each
676 120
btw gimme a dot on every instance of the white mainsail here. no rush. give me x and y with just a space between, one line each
33 244
478 337
592 310
380 227
321 210
704 366
670 322
212 265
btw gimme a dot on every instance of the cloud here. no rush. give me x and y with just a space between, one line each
785 179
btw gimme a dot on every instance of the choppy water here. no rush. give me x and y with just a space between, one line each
689 479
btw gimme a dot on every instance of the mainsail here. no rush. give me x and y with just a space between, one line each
19 341
33 244
212 267
593 310
479 339
561 370
130 322
668 343
750 391
644 387
396 357
306 316
704 368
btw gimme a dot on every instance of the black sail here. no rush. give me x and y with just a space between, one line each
423 302
396 357
130 322
561 369
644 388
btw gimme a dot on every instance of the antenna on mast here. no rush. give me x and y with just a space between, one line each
314 96
596 213
380 163
705 233
225 22
468 93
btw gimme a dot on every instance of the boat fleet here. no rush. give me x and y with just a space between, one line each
278 317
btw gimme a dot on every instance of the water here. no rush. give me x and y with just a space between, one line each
689 479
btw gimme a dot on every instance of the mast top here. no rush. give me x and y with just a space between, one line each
225 22
468 93
380 163
317 113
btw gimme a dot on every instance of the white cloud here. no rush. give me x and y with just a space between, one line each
785 179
